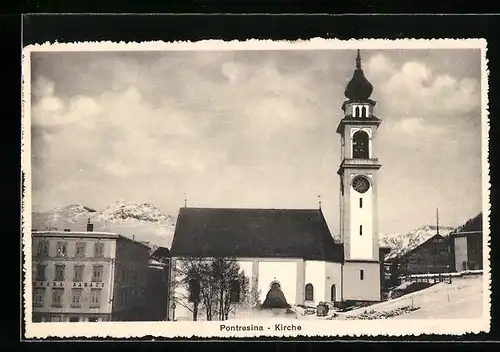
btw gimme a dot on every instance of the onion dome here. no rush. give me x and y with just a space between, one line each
358 88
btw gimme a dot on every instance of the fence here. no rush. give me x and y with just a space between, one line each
440 277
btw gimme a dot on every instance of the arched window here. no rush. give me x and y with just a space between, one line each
275 284
235 291
309 292
364 111
356 111
333 293
360 148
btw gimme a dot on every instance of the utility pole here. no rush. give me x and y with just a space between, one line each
437 220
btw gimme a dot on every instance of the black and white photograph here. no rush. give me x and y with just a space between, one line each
257 188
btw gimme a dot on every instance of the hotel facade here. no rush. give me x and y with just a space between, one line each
87 276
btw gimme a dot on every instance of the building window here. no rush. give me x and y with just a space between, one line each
76 295
59 272
309 292
97 271
361 202
57 297
360 145
361 230
74 319
95 298
194 291
78 273
235 291
361 275
122 298
333 293
38 297
40 272
80 249
98 250
92 319
42 249
62 249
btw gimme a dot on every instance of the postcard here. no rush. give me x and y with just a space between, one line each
256 188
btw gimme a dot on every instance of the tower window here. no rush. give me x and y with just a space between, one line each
361 202
364 111
360 145
356 111
361 275
361 230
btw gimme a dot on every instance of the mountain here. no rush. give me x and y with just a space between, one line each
473 224
142 221
401 244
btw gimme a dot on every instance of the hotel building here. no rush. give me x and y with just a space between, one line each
87 276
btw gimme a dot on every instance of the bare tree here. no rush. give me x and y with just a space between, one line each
217 284
188 274
230 283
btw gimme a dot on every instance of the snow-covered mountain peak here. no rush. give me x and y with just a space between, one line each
74 208
142 221
401 244
120 210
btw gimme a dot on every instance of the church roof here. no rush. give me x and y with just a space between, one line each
358 88
254 233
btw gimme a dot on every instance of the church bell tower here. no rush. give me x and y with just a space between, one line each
358 189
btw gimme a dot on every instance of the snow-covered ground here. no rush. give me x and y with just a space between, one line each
463 298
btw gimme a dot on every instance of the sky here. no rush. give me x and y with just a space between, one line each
254 129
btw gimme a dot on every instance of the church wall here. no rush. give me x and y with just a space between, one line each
366 289
179 294
282 271
315 275
246 266
361 244
333 275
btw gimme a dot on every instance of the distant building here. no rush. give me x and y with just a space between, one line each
466 245
432 256
383 252
467 250
158 285
87 276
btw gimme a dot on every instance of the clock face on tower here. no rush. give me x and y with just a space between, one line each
360 184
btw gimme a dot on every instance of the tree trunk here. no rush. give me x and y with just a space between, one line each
221 306
195 311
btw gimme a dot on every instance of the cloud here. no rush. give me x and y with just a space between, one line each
246 129
414 99
415 89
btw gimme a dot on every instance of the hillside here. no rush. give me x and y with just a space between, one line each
142 220
401 244
463 298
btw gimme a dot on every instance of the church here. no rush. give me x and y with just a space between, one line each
293 249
